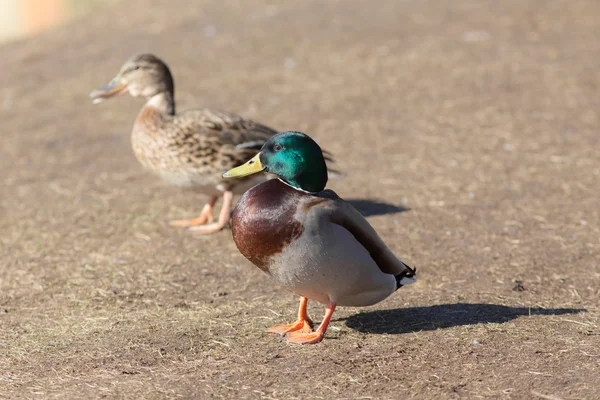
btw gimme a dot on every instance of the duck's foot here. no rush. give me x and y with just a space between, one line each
223 218
304 326
205 216
313 337
206 229
304 337
184 223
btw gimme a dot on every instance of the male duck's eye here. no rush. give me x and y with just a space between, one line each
277 147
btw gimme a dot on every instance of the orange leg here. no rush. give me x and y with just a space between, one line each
224 216
205 216
313 337
302 324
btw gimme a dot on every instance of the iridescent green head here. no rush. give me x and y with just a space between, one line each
292 156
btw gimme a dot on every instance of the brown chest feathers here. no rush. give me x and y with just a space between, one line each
263 222
144 137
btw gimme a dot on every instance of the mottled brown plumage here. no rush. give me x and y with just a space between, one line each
193 148
188 149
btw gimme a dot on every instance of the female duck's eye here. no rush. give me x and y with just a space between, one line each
277 147
135 67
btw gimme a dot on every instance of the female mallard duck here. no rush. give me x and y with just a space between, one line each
308 239
188 149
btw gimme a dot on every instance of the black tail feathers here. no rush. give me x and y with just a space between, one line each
406 277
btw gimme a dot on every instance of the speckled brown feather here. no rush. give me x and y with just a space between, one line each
195 147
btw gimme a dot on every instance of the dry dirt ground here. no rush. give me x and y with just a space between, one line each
469 135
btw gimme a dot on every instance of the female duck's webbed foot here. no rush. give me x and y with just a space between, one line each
223 218
302 324
313 337
205 216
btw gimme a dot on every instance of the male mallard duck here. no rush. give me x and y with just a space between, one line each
308 239
187 149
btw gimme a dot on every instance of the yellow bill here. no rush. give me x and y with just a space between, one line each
251 167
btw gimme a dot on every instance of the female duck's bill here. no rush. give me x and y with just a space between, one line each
111 89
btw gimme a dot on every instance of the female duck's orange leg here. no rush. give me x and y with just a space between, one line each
313 337
205 216
303 324
224 216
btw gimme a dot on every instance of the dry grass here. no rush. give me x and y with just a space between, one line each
478 118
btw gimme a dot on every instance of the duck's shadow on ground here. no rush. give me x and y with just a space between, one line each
415 319
369 208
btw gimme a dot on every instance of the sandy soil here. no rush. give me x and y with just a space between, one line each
469 134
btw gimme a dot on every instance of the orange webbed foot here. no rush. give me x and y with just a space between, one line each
304 326
313 337
207 229
184 223
304 338
205 216
223 218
